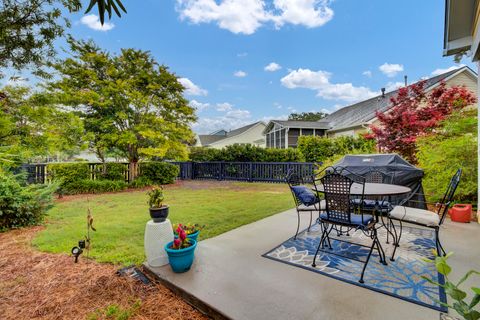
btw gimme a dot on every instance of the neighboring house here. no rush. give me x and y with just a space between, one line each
250 134
356 118
284 133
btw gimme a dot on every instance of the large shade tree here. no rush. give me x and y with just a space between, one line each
307 116
127 101
414 113
29 28
32 125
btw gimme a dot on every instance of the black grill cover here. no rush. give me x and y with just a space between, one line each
404 174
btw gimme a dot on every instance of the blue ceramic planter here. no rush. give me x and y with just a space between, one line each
181 260
194 236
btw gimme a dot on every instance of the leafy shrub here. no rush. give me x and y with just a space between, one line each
204 154
245 153
22 205
453 146
94 186
66 173
158 172
141 182
283 155
111 171
319 149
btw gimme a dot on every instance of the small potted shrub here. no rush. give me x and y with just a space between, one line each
181 251
158 211
468 310
192 230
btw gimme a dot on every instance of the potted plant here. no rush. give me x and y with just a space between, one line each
158 211
192 230
467 310
181 251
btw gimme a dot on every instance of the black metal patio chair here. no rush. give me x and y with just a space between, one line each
426 218
305 199
342 212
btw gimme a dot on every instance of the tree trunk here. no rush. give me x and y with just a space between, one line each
132 170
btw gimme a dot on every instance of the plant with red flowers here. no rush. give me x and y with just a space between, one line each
414 113
182 241
189 228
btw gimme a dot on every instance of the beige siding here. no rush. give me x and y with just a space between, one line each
250 136
464 79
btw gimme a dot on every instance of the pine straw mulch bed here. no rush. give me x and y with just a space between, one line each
37 285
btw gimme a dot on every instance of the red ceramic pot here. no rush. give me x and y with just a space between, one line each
461 213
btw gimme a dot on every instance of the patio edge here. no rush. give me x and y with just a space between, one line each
191 299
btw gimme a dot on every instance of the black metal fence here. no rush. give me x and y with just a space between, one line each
244 171
238 171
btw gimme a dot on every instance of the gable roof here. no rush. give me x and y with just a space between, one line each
208 139
364 111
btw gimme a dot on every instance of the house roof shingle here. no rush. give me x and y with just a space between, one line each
303 124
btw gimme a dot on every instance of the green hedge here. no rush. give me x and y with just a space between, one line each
75 178
22 205
245 153
66 173
157 173
320 149
453 146
94 186
113 171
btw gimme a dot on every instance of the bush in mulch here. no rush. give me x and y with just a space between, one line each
50 286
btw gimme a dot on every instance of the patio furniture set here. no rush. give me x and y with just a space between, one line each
367 202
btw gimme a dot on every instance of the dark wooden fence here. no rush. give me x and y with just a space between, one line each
238 171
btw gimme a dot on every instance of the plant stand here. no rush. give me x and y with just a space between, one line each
157 235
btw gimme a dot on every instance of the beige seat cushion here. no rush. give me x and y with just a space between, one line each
312 207
420 216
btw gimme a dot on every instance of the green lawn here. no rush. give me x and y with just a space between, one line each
120 218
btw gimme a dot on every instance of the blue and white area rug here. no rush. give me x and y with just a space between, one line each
401 278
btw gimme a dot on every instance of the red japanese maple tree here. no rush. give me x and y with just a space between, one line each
413 113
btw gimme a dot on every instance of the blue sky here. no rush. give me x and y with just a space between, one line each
321 54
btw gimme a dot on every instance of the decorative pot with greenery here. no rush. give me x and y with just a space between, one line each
181 251
467 310
158 211
192 230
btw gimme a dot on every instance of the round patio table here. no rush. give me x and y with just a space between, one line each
373 189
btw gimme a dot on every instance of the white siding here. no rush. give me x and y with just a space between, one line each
250 136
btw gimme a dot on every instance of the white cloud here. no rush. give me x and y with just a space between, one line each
191 88
439 71
272 66
278 105
231 119
242 54
199 105
367 73
391 86
320 82
391 69
267 119
93 22
246 16
240 74
224 106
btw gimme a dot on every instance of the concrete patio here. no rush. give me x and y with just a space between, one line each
230 278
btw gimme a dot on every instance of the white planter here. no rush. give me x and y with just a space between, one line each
157 235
